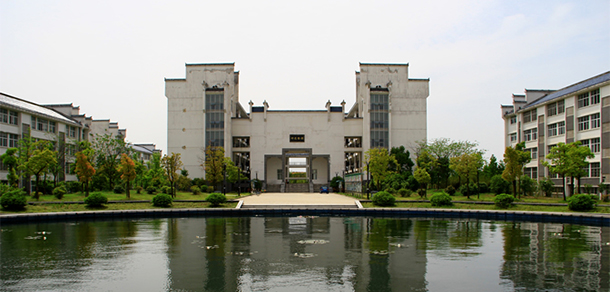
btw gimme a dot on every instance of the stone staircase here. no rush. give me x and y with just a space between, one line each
297 188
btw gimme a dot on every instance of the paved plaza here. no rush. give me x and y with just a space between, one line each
297 199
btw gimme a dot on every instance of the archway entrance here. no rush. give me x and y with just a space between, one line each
296 171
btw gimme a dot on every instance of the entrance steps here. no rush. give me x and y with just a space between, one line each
297 188
245 206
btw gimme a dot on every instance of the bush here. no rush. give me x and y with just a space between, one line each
588 188
139 189
450 190
4 189
216 199
546 186
162 200
391 191
96 200
73 187
412 183
195 190
151 190
336 182
209 189
59 192
582 202
498 185
470 189
383 199
405 192
13 200
504 200
441 199
166 190
118 189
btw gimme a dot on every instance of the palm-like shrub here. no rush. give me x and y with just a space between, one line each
162 200
96 200
216 199
13 200
504 200
441 199
383 199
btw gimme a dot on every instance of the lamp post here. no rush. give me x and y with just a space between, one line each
224 183
239 182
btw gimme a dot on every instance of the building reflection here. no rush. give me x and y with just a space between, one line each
230 254
556 256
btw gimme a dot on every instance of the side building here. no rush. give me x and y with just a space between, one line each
204 110
544 118
61 124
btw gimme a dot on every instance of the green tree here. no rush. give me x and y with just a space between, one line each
423 178
9 159
403 160
213 164
127 169
514 159
38 164
493 168
108 151
467 165
443 149
379 161
155 176
578 156
568 160
172 164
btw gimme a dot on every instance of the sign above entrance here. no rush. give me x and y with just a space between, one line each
297 138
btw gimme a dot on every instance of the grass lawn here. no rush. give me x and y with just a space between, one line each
46 208
492 207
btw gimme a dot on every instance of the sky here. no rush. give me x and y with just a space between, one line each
111 57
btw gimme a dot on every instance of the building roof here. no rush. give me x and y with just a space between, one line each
32 108
604 77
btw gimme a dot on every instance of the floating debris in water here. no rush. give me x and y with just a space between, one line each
212 247
201 237
380 252
304 255
397 245
33 237
313 241
5 230
43 232
239 253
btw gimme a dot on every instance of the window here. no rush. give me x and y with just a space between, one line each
353 142
531 134
241 142
379 118
513 137
549 148
556 108
532 172
529 116
595 121
52 126
3 139
589 98
589 122
594 144
9 116
533 152
513 120
594 169
352 162
214 117
314 174
8 140
557 129
279 174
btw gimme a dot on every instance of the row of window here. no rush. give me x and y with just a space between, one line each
556 108
530 134
530 116
9 116
8 140
557 129
589 122
584 123
593 169
588 98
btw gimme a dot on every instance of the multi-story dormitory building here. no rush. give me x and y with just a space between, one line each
62 124
204 110
578 112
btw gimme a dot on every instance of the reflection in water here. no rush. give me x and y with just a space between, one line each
303 254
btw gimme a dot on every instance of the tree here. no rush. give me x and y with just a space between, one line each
127 169
578 156
493 168
378 161
155 176
9 159
467 165
403 159
213 164
27 146
38 164
84 170
108 150
514 159
423 178
443 149
171 164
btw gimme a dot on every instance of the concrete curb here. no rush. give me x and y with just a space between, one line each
572 218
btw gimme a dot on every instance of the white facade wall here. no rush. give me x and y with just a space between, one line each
269 131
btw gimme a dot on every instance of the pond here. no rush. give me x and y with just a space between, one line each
304 254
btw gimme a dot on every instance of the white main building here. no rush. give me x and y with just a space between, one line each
204 110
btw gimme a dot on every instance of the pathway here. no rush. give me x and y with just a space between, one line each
298 200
